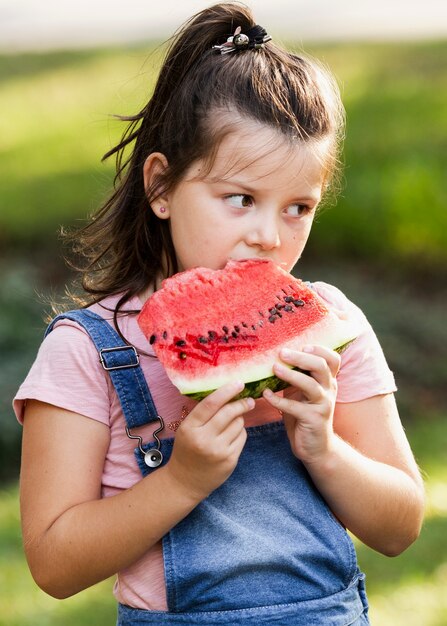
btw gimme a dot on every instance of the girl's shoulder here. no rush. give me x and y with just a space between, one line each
105 308
67 371
364 371
335 298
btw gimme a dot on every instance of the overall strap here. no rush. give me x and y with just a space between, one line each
122 362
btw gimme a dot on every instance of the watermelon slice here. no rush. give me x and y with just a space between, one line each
208 327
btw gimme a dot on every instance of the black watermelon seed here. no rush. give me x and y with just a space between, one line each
278 314
202 340
225 339
237 329
253 326
298 303
180 343
152 338
165 335
288 299
225 329
234 334
272 318
182 355
288 308
272 311
244 325
212 334
278 307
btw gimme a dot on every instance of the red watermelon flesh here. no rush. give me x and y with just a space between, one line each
208 327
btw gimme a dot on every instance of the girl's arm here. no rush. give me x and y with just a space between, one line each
72 537
356 453
377 448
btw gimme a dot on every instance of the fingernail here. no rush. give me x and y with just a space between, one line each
308 349
286 353
250 403
238 385
280 368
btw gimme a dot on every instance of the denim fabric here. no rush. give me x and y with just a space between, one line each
266 529
345 608
121 361
262 549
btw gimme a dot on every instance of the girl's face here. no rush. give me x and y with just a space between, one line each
258 200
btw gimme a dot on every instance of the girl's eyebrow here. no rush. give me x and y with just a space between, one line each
253 190
232 181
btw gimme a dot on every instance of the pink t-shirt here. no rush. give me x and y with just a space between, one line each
67 373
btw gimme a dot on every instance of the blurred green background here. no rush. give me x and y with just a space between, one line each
384 244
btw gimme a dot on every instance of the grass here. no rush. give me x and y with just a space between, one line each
22 602
405 591
410 589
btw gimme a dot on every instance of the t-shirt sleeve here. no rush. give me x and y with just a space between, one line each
67 373
364 372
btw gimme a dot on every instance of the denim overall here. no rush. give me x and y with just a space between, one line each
263 548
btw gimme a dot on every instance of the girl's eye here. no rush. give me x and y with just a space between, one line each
297 210
240 201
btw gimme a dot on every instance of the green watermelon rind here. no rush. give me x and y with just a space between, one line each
256 388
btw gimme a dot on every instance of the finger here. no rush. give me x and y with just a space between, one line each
332 358
228 414
239 441
279 402
287 406
233 430
209 406
322 363
309 387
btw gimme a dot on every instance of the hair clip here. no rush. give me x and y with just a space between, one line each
253 39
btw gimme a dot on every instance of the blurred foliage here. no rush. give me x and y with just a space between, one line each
21 330
384 244
57 122
395 198
410 322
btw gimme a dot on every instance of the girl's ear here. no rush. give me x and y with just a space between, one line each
154 167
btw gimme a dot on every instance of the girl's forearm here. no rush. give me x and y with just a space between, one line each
93 540
73 538
380 504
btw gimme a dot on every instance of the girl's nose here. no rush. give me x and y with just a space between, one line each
264 234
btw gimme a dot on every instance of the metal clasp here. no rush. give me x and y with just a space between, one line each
117 349
152 457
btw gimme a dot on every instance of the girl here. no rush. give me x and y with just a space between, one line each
244 521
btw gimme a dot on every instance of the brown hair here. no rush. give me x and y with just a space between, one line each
125 242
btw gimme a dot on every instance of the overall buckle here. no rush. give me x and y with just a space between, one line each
134 362
152 457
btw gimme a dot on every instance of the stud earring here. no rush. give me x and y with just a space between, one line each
162 209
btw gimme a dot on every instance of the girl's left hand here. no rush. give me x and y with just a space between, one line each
308 405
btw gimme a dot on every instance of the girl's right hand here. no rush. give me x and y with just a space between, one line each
209 441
